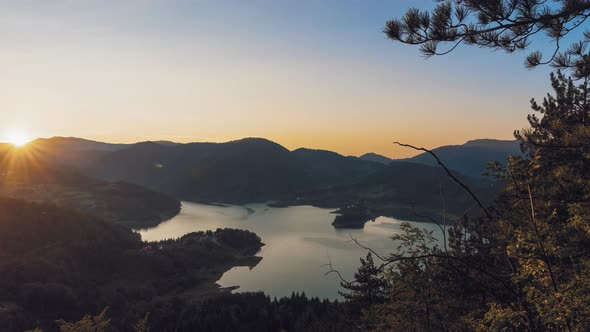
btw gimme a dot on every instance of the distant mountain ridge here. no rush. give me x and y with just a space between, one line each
29 174
376 158
472 157
77 152
206 171
75 143
259 170
326 168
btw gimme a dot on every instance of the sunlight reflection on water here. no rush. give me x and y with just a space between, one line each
300 241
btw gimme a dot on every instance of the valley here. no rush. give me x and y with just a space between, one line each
74 204
257 170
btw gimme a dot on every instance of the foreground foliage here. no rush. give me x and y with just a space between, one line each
527 266
228 312
508 25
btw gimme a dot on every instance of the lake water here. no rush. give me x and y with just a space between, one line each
300 241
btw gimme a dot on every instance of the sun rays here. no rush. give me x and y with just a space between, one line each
21 162
17 138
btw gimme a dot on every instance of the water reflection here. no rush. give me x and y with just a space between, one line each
300 241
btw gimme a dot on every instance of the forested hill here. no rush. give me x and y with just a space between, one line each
471 158
246 170
256 170
28 174
407 191
376 158
326 168
59 264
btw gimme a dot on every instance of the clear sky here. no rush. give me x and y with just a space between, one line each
318 74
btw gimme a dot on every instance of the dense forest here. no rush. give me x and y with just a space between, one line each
33 175
60 264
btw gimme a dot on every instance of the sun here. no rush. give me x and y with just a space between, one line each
17 138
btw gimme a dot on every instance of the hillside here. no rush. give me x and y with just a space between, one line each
25 174
257 170
71 151
247 170
374 157
76 152
60 264
239 171
405 190
472 157
326 168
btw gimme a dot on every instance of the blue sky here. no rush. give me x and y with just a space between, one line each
319 74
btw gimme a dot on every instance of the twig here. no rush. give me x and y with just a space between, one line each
436 222
352 239
332 270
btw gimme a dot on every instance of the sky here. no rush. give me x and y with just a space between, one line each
306 73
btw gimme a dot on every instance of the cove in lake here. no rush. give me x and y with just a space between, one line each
300 241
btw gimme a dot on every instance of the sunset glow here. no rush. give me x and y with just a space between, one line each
277 77
17 138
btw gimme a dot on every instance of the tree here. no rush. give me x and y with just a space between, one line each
507 25
142 324
369 287
98 323
367 291
433 289
545 206
534 245
526 265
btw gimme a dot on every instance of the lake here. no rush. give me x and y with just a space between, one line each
300 241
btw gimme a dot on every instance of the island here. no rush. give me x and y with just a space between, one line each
352 216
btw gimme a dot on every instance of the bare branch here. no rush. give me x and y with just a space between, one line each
372 251
334 271
450 174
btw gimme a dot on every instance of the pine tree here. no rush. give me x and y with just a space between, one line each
545 208
369 287
508 25
528 266
98 323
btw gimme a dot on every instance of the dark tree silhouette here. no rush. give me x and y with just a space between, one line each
524 269
507 25
370 288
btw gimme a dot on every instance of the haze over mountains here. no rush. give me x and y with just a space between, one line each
376 158
72 203
36 174
257 170
472 157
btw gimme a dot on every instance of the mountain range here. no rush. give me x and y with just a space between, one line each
472 157
257 170
35 176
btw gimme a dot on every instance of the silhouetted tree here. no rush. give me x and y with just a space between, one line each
98 323
507 25
526 265
369 287
545 208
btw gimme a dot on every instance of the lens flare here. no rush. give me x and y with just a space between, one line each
17 138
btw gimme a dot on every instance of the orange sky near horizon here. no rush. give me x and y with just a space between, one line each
346 145
304 74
